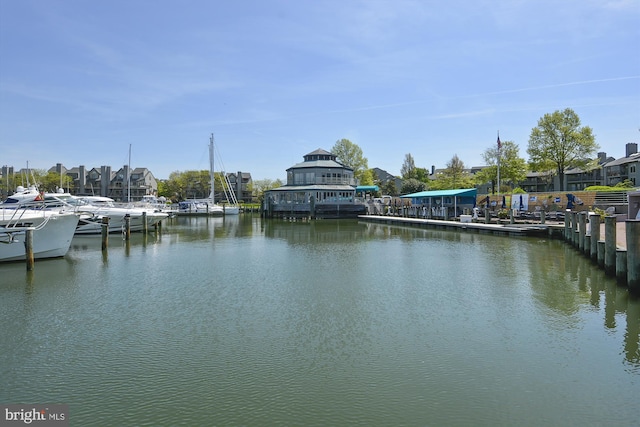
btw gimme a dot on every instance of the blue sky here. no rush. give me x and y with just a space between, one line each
82 81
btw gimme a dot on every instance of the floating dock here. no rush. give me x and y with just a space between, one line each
516 229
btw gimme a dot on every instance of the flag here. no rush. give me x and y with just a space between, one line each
499 144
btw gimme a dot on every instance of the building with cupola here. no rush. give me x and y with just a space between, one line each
318 187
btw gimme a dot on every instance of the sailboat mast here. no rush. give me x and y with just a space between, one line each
211 176
129 177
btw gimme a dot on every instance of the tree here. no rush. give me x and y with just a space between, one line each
259 186
51 181
408 167
559 142
412 185
453 176
350 155
513 168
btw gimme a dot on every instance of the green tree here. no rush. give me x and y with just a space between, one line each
408 169
412 185
454 176
513 168
350 155
367 177
560 142
389 188
51 181
259 186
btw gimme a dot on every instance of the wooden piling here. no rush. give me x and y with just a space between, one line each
105 232
487 216
144 222
610 245
28 249
574 229
567 225
601 253
582 230
127 227
632 231
621 266
594 225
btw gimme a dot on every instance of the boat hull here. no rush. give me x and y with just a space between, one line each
52 235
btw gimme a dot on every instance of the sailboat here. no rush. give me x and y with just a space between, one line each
231 206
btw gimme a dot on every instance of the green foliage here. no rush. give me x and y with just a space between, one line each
51 181
559 142
350 155
408 169
621 186
259 186
366 178
389 188
518 190
412 185
627 183
453 177
513 168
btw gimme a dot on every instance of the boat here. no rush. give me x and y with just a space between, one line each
91 210
208 206
52 233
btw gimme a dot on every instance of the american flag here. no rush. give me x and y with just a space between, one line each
499 144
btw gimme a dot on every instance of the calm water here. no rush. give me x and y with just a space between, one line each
245 322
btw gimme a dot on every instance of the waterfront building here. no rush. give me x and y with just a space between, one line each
319 187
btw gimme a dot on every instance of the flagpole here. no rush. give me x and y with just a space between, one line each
499 146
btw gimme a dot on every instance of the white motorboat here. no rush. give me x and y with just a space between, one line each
91 209
52 233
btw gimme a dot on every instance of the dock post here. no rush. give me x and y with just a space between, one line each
512 220
487 216
582 230
567 225
601 253
28 248
144 222
574 229
594 226
621 266
105 232
610 245
543 216
632 231
127 227
312 207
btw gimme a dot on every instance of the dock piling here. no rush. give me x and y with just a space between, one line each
610 245
105 232
594 226
28 249
632 230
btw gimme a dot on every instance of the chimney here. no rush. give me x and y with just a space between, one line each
602 157
632 148
433 169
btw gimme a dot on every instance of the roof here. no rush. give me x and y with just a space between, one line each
465 192
315 187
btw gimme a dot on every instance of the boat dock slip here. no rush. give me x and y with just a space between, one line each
521 230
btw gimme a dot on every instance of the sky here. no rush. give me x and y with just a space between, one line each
87 82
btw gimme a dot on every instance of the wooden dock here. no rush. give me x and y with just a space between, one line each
515 229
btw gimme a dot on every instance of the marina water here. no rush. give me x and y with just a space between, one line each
241 321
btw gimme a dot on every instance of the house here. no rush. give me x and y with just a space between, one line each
625 168
319 187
